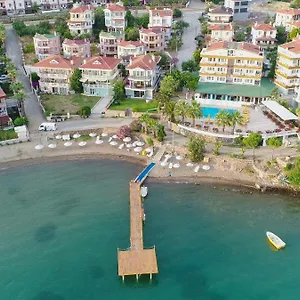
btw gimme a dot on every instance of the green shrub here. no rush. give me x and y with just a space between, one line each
149 141
21 121
84 111
28 48
288 167
8 135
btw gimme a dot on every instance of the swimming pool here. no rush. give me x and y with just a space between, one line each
212 111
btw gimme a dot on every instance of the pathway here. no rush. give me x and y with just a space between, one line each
102 105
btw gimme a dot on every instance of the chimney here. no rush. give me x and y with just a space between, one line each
84 61
153 57
72 62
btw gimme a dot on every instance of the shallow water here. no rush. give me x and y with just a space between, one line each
61 224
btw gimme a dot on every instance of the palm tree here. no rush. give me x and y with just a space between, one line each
194 111
2 34
181 109
11 71
144 119
16 87
223 118
236 119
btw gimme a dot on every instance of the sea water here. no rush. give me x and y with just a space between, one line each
61 224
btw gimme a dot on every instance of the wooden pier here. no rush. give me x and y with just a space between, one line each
136 260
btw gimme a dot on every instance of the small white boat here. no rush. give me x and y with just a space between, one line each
276 241
144 191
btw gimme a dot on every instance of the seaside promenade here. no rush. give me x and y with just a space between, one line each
136 260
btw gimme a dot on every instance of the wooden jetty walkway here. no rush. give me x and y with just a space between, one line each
136 260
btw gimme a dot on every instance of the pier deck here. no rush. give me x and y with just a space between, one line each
136 260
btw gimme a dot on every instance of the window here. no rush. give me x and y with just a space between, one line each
244 3
244 10
237 4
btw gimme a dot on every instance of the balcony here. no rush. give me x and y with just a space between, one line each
139 77
45 76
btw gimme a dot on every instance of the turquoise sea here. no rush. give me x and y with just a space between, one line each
62 222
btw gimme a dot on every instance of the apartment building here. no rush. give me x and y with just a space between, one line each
240 8
221 32
220 14
263 35
4 118
153 39
127 49
2 7
115 17
108 42
76 47
161 19
144 76
46 45
291 25
98 75
54 4
288 67
82 19
231 62
55 73
17 7
285 16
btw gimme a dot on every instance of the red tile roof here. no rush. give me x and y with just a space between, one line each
2 94
234 45
115 7
59 62
81 8
145 62
153 30
264 27
293 46
161 12
295 23
224 26
221 10
289 11
101 63
130 43
76 42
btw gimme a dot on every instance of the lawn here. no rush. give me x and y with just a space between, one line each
137 105
61 104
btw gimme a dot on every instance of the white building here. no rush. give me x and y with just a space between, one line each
285 16
221 32
82 19
240 8
54 4
263 35
220 14
288 67
16 7
130 48
161 18
115 17
231 62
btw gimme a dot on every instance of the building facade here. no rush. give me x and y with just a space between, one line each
231 62
153 39
54 4
55 73
285 16
108 42
161 19
17 7
98 75
288 67
263 35
115 17
221 32
144 77
46 45
220 14
240 8
76 47
4 118
127 49
82 19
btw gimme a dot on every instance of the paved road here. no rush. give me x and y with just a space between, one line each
32 108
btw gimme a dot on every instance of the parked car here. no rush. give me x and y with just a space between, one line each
4 78
48 127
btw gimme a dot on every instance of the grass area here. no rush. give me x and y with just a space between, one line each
29 58
8 135
62 104
137 105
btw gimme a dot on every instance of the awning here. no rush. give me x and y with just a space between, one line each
279 110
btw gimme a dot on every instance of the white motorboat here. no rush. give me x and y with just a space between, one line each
276 241
144 191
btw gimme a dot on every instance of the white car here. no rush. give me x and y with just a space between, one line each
4 78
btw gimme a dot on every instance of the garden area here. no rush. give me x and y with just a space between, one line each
62 104
8 135
137 105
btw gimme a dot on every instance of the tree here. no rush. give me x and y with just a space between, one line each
119 91
61 27
223 119
190 66
161 133
274 143
132 34
168 86
196 147
197 56
164 59
16 87
142 21
252 141
180 26
122 69
84 111
144 120
236 119
190 80
2 34
298 111
99 24
294 33
194 111
281 35
34 77
295 4
129 19
177 13
240 36
76 84
216 150
35 7
294 174
181 109
275 94
11 71
21 121
175 43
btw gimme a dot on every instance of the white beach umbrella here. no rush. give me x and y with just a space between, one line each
134 143
99 142
149 149
115 136
163 163
110 139
104 134
68 144
113 143
52 146
92 134
138 149
196 169
176 166
76 136
82 144
129 145
178 157
127 139
170 165
39 147
58 137
206 167
189 164
168 156
140 144
121 146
